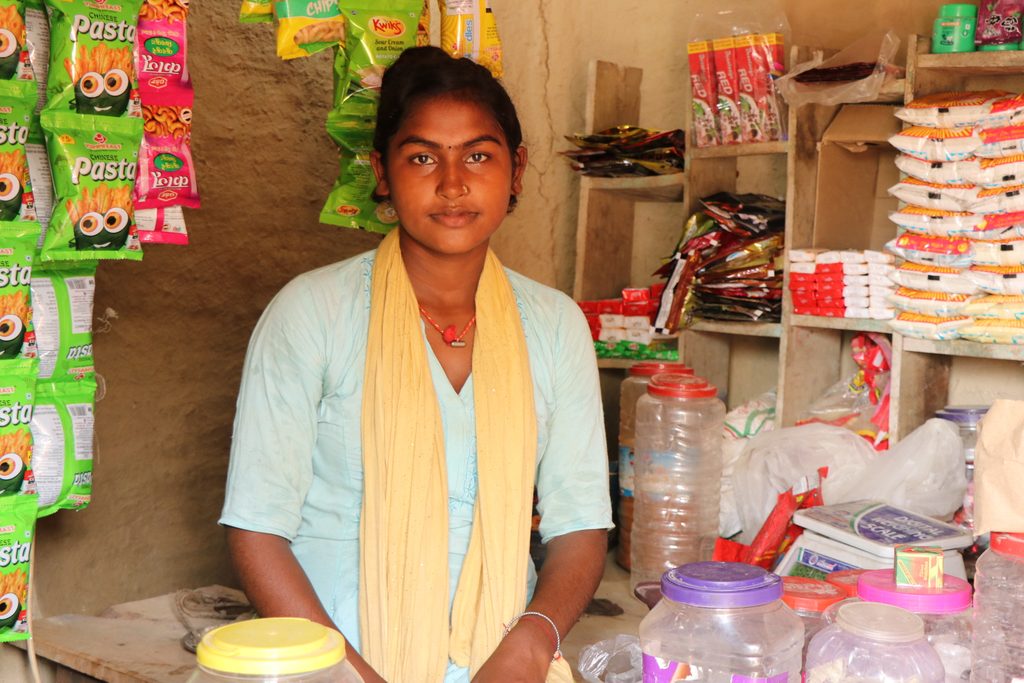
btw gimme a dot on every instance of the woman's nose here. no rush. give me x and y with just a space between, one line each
452 185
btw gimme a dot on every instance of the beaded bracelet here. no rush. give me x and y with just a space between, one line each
539 615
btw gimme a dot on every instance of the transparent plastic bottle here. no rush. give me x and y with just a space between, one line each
721 622
677 475
808 598
998 648
966 418
873 642
631 389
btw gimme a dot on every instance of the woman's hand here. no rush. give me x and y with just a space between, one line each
523 656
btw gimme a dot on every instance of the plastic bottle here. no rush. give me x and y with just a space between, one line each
275 650
966 419
873 642
631 389
946 613
721 622
954 28
808 598
998 648
677 475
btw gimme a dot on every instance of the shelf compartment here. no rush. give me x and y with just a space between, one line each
739 328
740 150
657 188
845 324
1010 63
966 349
616 363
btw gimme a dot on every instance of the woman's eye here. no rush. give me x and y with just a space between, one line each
421 159
477 157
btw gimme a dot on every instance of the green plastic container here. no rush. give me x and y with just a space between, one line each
999 48
954 28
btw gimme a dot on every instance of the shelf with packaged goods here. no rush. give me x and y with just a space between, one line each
1010 62
740 328
616 363
931 73
845 324
965 349
739 150
657 188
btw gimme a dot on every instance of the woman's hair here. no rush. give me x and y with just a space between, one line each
423 73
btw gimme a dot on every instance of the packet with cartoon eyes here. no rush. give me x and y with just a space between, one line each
92 64
62 436
17 398
13 48
17 257
94 161
17 100
17 534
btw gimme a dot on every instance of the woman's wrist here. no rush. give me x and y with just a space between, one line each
535 637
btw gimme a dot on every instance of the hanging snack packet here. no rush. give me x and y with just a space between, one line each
37 43
162 52
17 253
305 28
92 64
42 180
62 430
950 109
18 387
256 12
934 196
171 10
166 174
468 29
94 160
13 49
934 222
351 203
703 94
936 144
17 100
18 514
423 26
939 172
933 279
162 226
62 298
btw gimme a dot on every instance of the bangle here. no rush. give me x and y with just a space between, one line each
539 615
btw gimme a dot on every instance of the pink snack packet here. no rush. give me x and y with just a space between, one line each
704 94
166 174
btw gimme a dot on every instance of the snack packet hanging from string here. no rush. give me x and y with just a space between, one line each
16 199
13 49
94 162
17 534
162 226
17 255
256 12
423 27
18 384
62 301
37 43
168 10
305 28
62 431
166 174
162 48
468 29
41 178
92 64
351 203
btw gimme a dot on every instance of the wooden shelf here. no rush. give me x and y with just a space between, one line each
616 363
965 349
1010 63
742 329
656 188
851 324
742 150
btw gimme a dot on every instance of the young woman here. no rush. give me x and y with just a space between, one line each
397 409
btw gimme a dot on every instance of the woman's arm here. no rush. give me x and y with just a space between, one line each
571 572
276 586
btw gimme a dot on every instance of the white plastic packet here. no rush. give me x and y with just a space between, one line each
934 195
950 109
936 144
961 172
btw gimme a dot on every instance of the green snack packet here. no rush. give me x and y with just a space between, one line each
17 253
13 51
93 161
17 100
351 203
62 298
62 434
256 12
17 397
17 531
92 62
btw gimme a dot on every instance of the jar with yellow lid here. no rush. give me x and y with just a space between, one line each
277 650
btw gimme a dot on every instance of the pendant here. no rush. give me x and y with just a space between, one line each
457 344
450 335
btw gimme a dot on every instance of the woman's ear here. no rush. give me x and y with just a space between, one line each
518 168
377 162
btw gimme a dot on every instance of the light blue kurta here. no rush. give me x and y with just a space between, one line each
296 457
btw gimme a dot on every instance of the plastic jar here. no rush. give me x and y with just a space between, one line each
998 653
954 28
278 650
677 475
631 389
808 598
873 642
966 419
721 622
846 580
946 613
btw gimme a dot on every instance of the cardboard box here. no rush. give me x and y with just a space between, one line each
856 167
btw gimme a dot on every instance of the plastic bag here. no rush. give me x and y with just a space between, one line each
615 660
741 424
877 48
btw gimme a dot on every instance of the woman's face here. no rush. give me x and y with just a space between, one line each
449 174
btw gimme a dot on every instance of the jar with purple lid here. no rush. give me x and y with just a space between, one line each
721 622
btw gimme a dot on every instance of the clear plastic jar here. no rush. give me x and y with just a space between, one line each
966 419
998 648
846 580
277 650
631 389
872 643
808 598
946 613
721 622
677 475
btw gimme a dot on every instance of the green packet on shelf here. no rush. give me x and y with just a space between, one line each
62 434
17 398
636 351
62 298
351 203
18 241
17 532
93 160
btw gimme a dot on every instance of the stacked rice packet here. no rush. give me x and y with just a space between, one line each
841 284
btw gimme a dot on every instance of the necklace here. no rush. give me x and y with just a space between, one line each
448 334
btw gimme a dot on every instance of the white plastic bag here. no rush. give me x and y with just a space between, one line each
741 424
615 660
877 47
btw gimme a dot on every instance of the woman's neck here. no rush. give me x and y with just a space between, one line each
443 282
